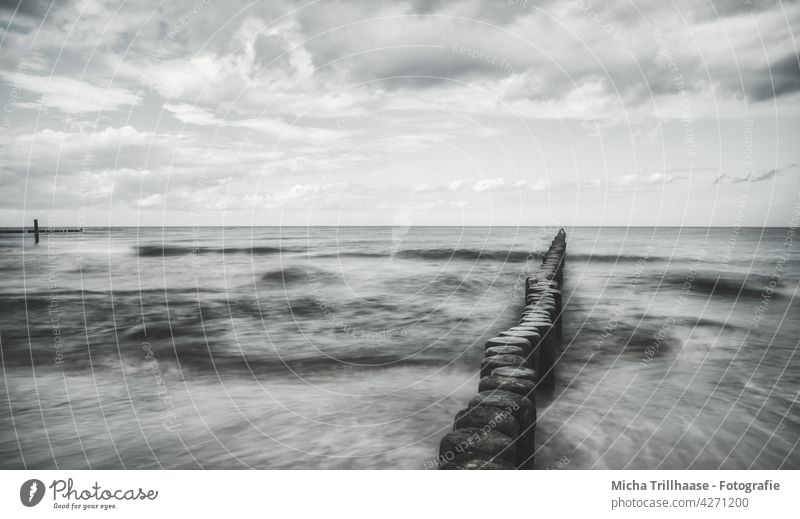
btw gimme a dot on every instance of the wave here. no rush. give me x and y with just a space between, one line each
441 254
351 254
452 282
316 305
300 364
724 284
688 321
614 258
202 358
467 254
90 269
298 273
158 251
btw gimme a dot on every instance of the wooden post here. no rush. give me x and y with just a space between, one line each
36 231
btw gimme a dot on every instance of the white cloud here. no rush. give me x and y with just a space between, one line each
285 130
540 185
489 184
456 184
153 200
422 187
634 179
193 114
663 178
296 192
70 95
184 78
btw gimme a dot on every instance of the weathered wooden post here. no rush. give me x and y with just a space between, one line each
36 230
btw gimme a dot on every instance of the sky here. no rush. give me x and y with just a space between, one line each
466 112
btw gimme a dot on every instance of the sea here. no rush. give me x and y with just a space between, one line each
354 347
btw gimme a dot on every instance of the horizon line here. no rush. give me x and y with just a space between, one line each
85 227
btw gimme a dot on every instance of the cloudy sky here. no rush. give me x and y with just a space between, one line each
518 112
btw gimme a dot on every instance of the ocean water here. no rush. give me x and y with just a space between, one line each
354 348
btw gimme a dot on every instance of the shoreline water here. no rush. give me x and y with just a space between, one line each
259 376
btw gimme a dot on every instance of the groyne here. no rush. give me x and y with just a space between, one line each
497 428
41 230
36 230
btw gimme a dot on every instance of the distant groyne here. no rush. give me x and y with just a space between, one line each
41 230
36 230
497 428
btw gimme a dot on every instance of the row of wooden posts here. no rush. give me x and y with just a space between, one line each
497 428
36 230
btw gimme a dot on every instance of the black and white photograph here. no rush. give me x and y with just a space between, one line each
409 235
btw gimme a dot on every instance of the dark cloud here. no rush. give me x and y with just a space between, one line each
272 51
427 6
423 67
691 10
27 15
723 8
615 42
764 175
761 176
506 12
780 78
36 8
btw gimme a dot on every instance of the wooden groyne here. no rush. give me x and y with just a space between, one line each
42 230
36 230
497 428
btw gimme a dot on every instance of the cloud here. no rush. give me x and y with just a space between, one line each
29 8
296 192
456 184
750 178
149 201
285 130
426 187
65 153
70 95
763 175
659 178
422 187
333 58
539 185
489 184
642 179
321 194
662 178
192 114
131 160
779 78
289 93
